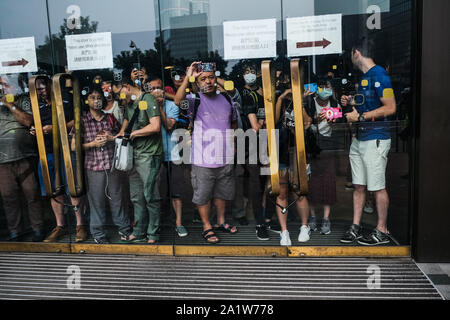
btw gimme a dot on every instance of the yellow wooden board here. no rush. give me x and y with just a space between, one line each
268 80
76 188
297 98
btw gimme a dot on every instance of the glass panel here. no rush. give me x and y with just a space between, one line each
113 56
216 32
100 47
322 33
24 52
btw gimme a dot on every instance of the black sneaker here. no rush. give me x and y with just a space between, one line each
273 226
375 238
352 234
261 232
103 240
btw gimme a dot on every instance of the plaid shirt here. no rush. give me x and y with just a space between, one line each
98 159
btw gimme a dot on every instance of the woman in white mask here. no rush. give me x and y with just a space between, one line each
324 109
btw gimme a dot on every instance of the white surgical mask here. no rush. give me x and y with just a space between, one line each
250 78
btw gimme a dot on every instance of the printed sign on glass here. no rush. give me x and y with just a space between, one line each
89 51
18 55
250 39
314 35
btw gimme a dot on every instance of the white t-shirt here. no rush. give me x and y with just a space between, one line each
323 127
116 111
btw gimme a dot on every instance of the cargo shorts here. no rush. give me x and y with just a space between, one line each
212 183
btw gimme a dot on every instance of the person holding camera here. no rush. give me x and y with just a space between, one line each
145 138
322 109
97 131
18 161
175 172
212 152
370 148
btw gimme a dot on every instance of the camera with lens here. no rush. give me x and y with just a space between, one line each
207 67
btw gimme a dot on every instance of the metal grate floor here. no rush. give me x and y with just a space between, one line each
45 276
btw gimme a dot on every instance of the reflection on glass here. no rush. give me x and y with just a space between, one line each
141 62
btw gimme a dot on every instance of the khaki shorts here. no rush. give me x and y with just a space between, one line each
368 161
212 183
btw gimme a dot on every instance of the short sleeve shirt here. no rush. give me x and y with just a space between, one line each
170 146
15 139
374 85
212 144
150 145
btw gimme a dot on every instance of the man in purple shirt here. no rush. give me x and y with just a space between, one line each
213 116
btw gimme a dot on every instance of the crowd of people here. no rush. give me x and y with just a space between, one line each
147 114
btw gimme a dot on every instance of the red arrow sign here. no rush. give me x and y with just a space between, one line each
22 63
324 43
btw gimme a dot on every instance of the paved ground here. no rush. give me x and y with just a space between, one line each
439 274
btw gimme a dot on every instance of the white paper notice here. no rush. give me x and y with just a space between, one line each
314 35
18 55
249 39
89 51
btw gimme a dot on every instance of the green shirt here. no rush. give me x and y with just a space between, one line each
16 142
150 145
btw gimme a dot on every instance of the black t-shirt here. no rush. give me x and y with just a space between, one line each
45 110
253 102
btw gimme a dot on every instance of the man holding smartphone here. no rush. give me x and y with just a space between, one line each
212 172
370 148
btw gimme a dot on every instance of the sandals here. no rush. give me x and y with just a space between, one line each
227 229
208 237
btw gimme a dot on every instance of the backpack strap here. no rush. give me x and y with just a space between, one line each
197 102
133 118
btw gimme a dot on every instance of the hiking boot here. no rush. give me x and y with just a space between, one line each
56 234
305 231
325 229
352 234
375 238
82 233
312 223
262 233
285 240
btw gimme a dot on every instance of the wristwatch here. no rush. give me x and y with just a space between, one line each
361 117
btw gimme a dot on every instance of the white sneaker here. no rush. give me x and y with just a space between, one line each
305 231
285 240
